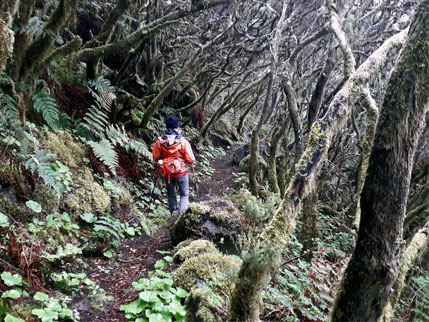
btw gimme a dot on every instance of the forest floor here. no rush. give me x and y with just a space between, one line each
136 258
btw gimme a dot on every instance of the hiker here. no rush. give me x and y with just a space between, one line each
173 154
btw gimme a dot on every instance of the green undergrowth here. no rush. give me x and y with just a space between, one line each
158 300
54 208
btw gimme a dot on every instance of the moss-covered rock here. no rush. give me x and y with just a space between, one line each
209 277
12 208
244 164
64 146
192 217
47 197
86 195
218 221
217 270
188 249
201 305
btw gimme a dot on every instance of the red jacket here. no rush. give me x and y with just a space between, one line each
179 148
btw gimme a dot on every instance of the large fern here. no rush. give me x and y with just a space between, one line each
95 121
119 136
109 226
103 92
45 104
140 148
40 163
8 109
104 150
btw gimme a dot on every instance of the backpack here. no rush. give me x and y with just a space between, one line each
173 164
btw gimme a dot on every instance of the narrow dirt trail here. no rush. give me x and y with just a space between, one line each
222 182
136 258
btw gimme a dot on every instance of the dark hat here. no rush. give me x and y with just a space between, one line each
172 122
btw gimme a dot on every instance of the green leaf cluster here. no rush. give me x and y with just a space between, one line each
158 301
52 309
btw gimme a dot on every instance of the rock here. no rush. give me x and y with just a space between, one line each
209 278
191 248
218 221
244 151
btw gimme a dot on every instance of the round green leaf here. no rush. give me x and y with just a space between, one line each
39 296
11 280
108 254
149 296
4 220
180 292
11 318
35 206
12 294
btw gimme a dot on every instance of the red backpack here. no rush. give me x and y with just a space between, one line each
173 164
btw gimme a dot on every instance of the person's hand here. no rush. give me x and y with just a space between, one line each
160 162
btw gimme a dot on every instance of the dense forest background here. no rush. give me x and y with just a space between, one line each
309 123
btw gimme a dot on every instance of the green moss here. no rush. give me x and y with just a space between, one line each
64 146
241 198
11 208
6 44
86 196
126 200
244 164
192 217
201 305
5 171
194 213
215 269
47 197
220 216
188 249
100 200
136 116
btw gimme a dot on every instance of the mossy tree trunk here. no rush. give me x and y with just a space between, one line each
310 223
39 49
254 145
273 176
368 140
416 249
22 39
276 236
7 10
269 102
319 92
373 268
294 116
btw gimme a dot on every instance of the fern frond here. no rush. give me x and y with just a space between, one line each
103 150
140 148
96 121
110 226
103 92
9 108
117 135
45 104
40 163
64 121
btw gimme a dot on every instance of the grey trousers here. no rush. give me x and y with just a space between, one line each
183 184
